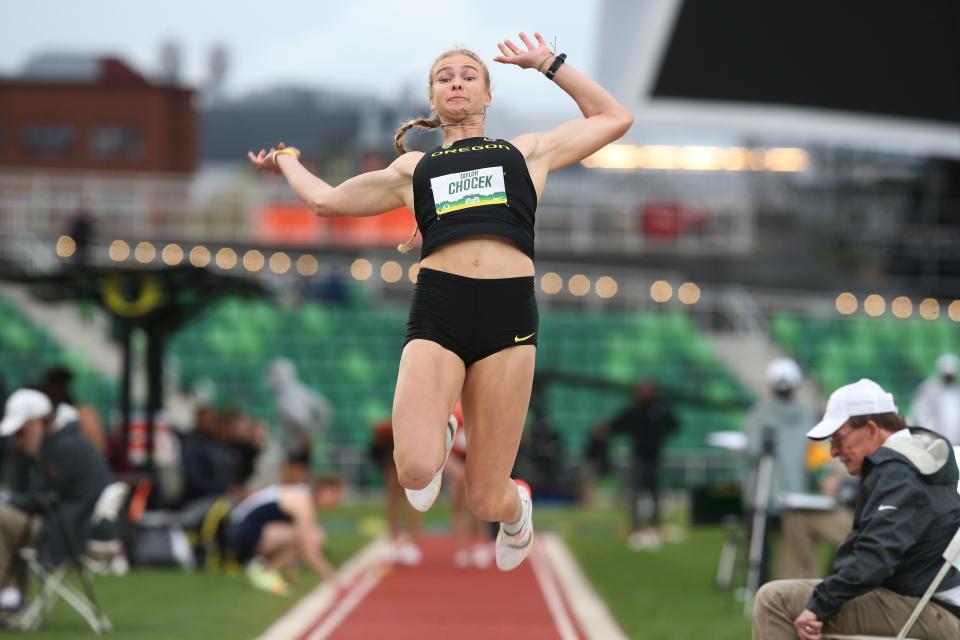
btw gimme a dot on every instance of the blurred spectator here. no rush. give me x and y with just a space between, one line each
403 545
596 462
207 466
83 231
647 422
182 398
5 441
92 427
245 442
474 543
328 285
56 383
540 458
276 527
303 413
936 402
127 456
268 466
780 423
72 476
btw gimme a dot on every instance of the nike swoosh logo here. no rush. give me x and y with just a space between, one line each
885 507
519 339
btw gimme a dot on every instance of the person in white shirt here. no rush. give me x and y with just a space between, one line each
276 527
936 402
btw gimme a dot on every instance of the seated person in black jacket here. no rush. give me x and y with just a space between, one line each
72 474
907 511
208 468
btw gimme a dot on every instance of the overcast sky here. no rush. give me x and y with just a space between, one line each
380 46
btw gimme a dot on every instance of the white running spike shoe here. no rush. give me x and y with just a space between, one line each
423 499
513 549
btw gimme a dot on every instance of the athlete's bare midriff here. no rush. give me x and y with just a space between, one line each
480 257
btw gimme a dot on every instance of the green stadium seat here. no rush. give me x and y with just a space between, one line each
896 353
26 349
350 353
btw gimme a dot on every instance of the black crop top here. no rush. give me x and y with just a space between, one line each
476 186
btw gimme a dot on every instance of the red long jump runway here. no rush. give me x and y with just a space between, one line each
438 600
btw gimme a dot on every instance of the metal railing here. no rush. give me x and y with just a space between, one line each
581 213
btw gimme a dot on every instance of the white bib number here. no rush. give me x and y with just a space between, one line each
474 188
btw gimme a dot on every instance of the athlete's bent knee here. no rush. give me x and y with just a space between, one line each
485 505
414 474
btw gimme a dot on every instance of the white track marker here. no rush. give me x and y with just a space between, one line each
551 593
359 591
312 606
589 610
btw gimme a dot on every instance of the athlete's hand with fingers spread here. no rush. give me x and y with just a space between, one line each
264 161
533 57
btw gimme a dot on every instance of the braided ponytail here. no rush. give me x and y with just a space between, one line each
432 123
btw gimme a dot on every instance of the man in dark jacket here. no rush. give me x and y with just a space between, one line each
908 510
208 470
72 476
647 422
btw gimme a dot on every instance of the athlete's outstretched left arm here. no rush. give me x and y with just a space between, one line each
605 119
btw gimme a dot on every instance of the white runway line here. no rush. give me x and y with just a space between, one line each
589 610
348 604
305 613
551 593
564 580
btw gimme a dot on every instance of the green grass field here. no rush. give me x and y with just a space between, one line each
653 595
667 594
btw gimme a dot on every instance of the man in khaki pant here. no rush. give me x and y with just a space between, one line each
908 509
800 533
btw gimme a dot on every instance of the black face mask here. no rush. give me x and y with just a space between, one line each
783 394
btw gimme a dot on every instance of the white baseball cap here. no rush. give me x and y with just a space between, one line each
783 374
947 364
23 405
862 398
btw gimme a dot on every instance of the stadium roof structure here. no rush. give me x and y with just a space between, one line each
163 298
859 73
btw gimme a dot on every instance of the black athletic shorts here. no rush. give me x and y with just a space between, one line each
473 317
243 537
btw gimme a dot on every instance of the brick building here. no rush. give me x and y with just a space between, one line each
95 113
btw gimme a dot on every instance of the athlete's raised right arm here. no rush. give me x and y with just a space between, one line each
367 194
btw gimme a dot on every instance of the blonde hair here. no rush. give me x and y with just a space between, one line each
433 122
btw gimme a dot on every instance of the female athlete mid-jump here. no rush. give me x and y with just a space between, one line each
472 329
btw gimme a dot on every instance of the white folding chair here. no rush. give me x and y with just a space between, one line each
950 555
54 582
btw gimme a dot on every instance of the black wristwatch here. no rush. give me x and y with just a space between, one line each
556 65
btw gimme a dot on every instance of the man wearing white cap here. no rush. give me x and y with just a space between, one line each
72 475
936 402
908 509
784 420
